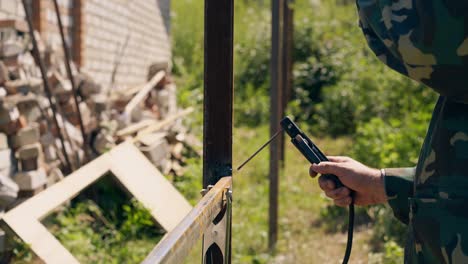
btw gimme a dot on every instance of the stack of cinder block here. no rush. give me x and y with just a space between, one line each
31 155
31 176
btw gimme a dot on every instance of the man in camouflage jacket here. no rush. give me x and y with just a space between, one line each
426 40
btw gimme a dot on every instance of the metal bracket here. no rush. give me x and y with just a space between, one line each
217 237
203 192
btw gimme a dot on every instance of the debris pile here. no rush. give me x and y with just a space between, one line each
31 154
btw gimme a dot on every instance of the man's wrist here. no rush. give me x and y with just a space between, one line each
380 194
382 181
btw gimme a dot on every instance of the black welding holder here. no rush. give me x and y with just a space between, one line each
310 151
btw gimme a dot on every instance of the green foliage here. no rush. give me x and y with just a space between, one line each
85 230
137 221
340 88
339 83
251 58
391 143
21 251
104 219
392 254
190 183
335 219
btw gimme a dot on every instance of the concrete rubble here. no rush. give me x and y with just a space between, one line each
31 156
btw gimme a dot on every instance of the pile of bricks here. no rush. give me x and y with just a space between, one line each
31 156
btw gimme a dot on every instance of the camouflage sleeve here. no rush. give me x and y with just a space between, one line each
399 184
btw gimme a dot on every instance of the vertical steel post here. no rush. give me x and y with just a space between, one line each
287 50
218 103
276 106
40 62
218 90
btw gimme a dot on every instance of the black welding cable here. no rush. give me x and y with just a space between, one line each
349 243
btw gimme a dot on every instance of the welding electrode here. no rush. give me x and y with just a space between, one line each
260 149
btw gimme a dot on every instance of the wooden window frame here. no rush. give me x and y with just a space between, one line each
129 167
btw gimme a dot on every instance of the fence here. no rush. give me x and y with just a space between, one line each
211 218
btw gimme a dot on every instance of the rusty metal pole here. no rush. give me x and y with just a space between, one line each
66 53
218 107
276 103
287 78
37 54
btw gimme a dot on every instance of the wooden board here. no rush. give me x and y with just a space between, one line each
130 167
140 96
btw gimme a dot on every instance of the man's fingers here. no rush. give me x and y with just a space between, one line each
328 167
325 184
343 202
338 158
339 193
312 173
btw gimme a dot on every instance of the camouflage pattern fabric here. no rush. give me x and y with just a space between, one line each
427 40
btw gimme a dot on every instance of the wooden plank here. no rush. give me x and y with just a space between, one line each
134 128
45 202
275 110
130 167
176 245
148 185
43 243
140 96
159 125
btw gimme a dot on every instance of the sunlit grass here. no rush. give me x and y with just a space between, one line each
300 202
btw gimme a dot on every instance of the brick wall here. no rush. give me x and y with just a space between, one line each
49 29
100 29
135 29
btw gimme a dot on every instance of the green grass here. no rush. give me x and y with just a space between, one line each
300 238
102 225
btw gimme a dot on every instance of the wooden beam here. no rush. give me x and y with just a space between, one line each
161 124
276 106
130 167
141 95
176 245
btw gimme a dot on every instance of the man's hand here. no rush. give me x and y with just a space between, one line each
366 182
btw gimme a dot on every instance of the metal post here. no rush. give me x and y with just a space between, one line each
218 107
70 76
287 50
218 92
40 62
276 103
